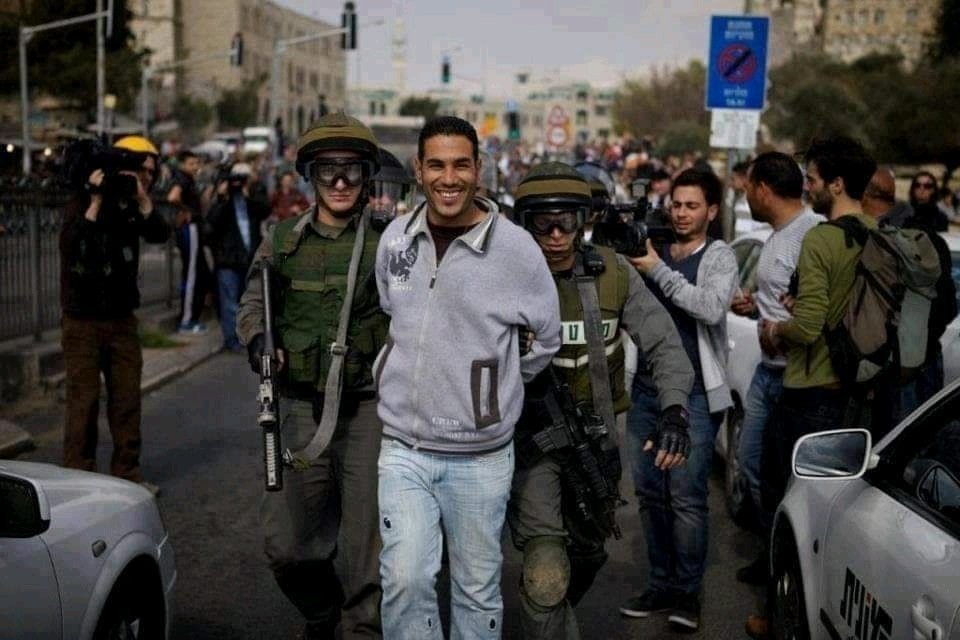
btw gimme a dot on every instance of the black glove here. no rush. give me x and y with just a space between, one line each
674 433
255 352
525 335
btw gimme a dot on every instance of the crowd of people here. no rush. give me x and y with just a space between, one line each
450 365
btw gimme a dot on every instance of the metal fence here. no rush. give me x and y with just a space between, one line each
30 220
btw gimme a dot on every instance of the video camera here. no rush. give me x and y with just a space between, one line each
83 157
625 228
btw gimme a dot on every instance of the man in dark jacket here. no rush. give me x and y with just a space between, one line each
99 260
232 231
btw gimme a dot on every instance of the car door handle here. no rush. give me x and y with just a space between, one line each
925 625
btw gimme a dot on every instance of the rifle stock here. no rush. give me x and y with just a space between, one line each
267 396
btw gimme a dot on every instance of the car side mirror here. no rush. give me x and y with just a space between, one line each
840 455
24 509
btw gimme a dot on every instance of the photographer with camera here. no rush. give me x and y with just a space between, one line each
695 279
99 261
232 231
600 295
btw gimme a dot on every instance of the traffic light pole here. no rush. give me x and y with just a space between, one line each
276 73
101 72
150 71
26 34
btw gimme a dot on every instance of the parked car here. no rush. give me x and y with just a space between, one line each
82 555
745 355
259 139
865 543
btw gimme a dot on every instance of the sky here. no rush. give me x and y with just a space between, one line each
601 42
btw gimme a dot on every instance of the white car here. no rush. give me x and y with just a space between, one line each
866 543
82 556
745 355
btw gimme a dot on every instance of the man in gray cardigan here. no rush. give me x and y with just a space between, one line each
695 279
457 280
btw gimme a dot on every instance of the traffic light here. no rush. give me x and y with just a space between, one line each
236 50
445 70
348 20
114 24
513 125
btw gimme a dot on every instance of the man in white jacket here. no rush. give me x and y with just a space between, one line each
457 280
695 279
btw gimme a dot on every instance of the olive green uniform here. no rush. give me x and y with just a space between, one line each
330 509
562 554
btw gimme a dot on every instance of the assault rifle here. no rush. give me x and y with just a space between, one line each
589 454
267 396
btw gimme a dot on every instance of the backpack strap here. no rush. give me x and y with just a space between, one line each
853 230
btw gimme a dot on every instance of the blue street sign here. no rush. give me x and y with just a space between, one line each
737 66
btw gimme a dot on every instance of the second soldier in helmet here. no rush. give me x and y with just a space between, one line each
561 553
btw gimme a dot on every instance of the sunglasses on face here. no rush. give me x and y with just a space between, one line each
329 171
543 224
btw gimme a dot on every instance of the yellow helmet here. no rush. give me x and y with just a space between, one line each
136 144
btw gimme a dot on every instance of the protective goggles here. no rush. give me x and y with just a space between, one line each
328 171
543 223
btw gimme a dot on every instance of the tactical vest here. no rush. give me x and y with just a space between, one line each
313 285
572 360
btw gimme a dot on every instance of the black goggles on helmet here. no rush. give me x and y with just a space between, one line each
328 171
543 222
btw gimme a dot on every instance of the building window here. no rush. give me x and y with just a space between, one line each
299 81
314 81
581 117
600 110
603 133
373 108
582 96
851 18
863 17
383 108
912 15
879 16
538 121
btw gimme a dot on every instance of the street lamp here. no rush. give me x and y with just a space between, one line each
110 103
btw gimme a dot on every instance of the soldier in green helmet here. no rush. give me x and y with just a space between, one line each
562 553
328 506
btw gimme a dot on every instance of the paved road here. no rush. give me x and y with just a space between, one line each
203 448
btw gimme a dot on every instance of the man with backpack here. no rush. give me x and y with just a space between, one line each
813 399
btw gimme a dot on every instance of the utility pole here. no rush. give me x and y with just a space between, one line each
26 33
101 71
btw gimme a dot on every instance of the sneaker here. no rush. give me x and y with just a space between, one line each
194 328
650 601
152 488
757 572
686 612
758 627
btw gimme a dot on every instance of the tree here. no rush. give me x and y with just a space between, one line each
945 43
684 136
237 108
419 106
650 106
193 115
62 62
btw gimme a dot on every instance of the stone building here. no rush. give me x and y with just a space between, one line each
854 28
176 29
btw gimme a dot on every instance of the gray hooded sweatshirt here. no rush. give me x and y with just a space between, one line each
450 377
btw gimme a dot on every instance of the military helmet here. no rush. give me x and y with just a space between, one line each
594 171
551 187
337 132
391 169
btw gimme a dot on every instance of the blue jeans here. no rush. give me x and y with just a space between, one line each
673 504
925 386
765 389
468 494
231 284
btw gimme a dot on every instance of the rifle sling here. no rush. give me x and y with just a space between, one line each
338 350
596 350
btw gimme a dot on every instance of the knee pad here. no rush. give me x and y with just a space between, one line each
546 571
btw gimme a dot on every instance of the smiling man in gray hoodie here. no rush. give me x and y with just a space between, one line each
457 279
